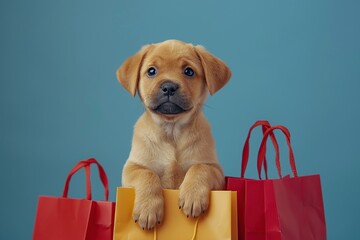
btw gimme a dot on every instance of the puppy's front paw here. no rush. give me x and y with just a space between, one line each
148 210
193 200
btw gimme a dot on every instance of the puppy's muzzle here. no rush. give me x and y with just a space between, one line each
169 100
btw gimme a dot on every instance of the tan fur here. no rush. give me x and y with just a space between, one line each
173 151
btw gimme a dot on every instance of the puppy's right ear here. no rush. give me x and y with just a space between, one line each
129 72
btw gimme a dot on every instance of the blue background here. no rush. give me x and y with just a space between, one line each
295 63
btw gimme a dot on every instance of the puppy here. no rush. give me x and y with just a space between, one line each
172 143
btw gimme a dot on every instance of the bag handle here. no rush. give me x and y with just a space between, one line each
86 164
245 154
262 149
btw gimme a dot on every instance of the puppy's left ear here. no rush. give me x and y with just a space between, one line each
217 74
128 72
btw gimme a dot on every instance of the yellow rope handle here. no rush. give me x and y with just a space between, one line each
195 228
194 233
155 233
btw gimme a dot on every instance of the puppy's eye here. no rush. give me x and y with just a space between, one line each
189 72
151 72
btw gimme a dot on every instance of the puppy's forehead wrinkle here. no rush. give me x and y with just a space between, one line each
157 58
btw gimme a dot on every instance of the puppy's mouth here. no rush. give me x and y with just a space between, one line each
169 108
169 101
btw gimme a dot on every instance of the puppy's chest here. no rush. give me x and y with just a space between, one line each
170 157
172 165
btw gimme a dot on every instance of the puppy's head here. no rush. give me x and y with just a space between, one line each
172 78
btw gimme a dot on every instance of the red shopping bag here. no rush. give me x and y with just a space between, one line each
289 208
60 218
238 184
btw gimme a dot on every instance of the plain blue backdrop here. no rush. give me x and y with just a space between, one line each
295 63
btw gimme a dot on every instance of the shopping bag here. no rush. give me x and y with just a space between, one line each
60 218
238 183
288 208
219 222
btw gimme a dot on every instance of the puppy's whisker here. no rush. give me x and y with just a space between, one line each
208 106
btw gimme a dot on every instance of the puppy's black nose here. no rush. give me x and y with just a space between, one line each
169 88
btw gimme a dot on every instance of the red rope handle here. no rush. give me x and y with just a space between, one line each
262 149
245 154
86 164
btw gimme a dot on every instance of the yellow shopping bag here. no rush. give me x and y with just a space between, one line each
218 223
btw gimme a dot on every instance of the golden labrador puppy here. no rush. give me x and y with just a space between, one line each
172 144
